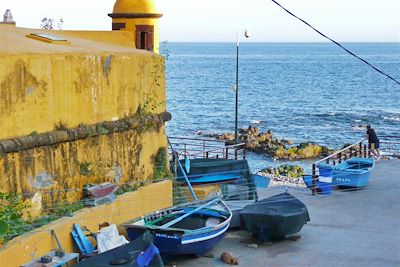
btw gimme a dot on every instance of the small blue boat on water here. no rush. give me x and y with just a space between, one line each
192 228
354 172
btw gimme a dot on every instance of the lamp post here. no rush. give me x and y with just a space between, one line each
247 35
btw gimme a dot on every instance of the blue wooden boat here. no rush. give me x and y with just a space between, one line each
192 228
234 177
354 172
207 170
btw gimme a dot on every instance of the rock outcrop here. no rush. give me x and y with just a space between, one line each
265 143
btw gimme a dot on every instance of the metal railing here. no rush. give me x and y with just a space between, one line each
390 145
358 149
207 148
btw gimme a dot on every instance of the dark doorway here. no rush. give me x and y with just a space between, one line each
145 37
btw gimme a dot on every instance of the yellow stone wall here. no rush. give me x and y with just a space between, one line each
42 92
39 91
128 206
95 77
50 175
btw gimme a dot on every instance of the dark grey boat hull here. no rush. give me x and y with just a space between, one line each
236 206
275 217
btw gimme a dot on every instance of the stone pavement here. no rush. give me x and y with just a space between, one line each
347 228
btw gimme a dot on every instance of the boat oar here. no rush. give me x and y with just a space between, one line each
60 253
168 224
184 174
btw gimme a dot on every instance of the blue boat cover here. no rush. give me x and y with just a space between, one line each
145 257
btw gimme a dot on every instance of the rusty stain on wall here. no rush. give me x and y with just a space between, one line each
107 67
17 85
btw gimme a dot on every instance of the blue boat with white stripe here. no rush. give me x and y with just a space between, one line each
354 172
192 228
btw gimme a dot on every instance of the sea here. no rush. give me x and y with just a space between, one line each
300 91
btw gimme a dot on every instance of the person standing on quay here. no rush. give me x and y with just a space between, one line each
373 141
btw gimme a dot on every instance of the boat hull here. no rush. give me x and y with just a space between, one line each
172 245
353 173
193 228
351 179
275 217
236 206
129 252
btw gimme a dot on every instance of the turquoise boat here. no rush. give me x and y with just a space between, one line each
354 172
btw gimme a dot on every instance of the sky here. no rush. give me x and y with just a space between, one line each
220 20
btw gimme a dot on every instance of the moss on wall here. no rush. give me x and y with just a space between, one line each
58 172
139 122
161 166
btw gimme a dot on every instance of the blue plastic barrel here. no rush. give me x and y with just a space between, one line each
325 170
324 188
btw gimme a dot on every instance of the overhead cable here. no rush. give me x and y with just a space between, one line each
338 44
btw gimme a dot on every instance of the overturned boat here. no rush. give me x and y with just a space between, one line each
192 228
275 217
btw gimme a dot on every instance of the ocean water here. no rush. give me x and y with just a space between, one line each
301 91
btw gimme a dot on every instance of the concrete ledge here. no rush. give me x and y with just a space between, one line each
24 248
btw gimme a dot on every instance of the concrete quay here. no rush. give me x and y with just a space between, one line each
347 228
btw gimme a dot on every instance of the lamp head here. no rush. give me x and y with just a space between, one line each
246 33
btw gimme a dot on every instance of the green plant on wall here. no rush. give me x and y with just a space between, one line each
84 168
130 187
87 129
65 209
61 126
102 130
55 212
149 105
12 223
11 211
161 164
158 70
178 193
